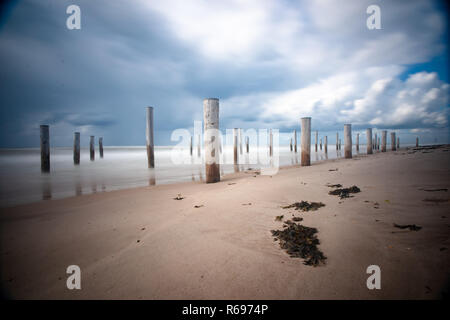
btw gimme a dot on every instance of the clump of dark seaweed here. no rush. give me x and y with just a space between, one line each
411 227
305 206
344 192
338 185
300 242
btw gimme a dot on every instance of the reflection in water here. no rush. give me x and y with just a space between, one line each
94 187
152 179
46 187
78 188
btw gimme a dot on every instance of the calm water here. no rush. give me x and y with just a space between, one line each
121 168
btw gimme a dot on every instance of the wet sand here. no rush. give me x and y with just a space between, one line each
142 244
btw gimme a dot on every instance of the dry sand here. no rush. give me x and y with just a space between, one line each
224 250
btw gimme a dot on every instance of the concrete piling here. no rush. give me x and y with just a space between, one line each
235 146
306 141
92 148
316 140
76 148
211 142
270 143
326 144
417 142
45 148
149 138
348 140
398 142
295 141
369 140
357 142
393 148
383 140
100 146
337 141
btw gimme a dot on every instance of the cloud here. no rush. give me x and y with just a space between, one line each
269 62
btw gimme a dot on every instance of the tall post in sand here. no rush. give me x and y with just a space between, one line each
320 144
326 144
76 148
398 142
417 142
295 140
383 140
191 146
369 140
376 140
235 146
348 140
290 145
270 143
340 144
247 143
211 142
337 141
306 141
149 138
240 141
357 142
393 148
92 148
378 143
100 146
45 148
317 137
199 139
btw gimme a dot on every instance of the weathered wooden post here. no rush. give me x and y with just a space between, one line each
393 148
383 140
317 137
271 143
369 140
337 141
290 144
348 140
191 146
45 148
417 142
199 142
235 145
320 144
76 148
100 146
306 141
357 142
295 140
326 144
398 142
149 138
211 142
92 148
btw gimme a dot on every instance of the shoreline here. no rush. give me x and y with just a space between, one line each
224 250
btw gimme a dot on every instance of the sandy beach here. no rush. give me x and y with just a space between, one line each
142 244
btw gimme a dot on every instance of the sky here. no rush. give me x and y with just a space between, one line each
269 62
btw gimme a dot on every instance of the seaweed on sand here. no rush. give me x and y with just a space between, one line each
411 227
300 242
305 206
344 192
